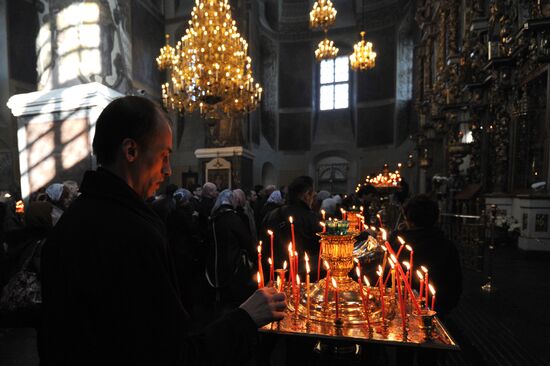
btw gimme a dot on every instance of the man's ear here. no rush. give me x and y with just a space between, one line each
129 149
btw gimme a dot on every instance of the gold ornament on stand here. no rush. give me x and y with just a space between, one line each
362 58
209 69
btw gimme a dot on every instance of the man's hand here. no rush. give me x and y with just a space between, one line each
265 306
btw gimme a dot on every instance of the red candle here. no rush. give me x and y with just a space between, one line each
327 280
284 270
307 284
426 282
401 304
296 267
409 289
366 304
380 273
260 270
258 278
400 239
292 233
271 271
410 249
407 274
319 261
291 264
432 290
297 296
271 236
335 296
421 279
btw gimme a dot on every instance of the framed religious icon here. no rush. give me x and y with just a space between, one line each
218 171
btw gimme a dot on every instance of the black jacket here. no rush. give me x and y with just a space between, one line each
110 294
440 256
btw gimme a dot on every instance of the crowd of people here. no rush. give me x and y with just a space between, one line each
141 277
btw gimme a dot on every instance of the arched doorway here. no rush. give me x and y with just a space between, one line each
332 174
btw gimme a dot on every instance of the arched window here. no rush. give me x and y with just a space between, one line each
334 85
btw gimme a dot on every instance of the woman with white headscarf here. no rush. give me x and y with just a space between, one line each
230 247
274 201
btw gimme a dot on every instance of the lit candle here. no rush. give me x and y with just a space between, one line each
335 296
421 279
292 233
410 249
260 270
297 295
258 278
406 279
379 220
380 274
283 278
366 305
384 261
426 282
432 290
392 276
271 235
401 305
271 271
343 213
307 284
400 239
323 213
327 280
291 264
323 226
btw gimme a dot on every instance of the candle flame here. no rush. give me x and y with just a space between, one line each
378 216
342 210
290 248
366 280
325 263
298 279
393 258
290 219
432 289
285 265
322 223
373 228
358 271
258 277
308 269
384 248
407 264
419 274
424 269
409 248
306 257
381 270
259 248
323 212
356 260
391 262
334 283
269 232
384 234
269 261
401 240
361 208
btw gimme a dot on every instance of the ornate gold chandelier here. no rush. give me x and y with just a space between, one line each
209 69
325 50
323 16
362 58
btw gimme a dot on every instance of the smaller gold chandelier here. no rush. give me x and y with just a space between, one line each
167 54
325 50
323 14
362 58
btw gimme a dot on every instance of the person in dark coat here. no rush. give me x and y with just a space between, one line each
231 247
440 256
110 294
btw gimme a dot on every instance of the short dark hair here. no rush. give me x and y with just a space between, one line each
298 187
422 211
127 117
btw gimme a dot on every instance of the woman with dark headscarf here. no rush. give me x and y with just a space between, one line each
228 265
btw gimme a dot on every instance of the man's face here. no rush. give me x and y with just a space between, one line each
152 165
197 192
253 196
